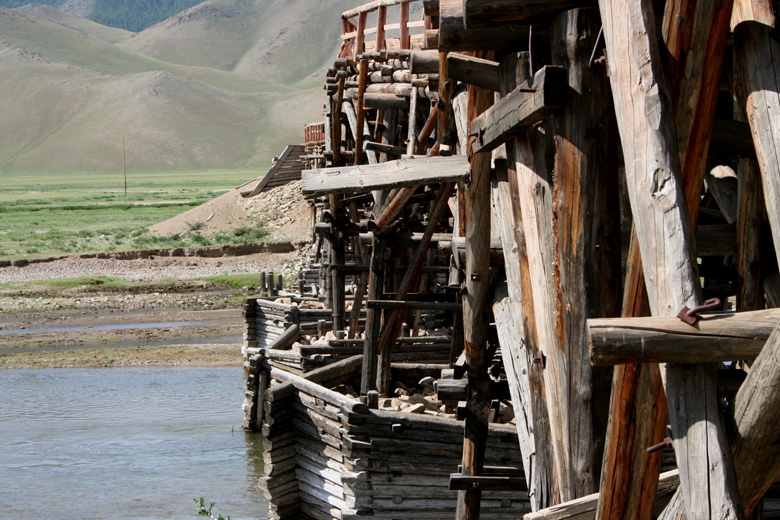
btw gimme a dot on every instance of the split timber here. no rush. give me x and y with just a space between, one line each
544 186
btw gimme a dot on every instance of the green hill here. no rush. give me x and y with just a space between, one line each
191 93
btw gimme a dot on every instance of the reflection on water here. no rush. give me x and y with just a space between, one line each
126 443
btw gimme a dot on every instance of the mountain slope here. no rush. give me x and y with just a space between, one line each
69 95
90 28
282 39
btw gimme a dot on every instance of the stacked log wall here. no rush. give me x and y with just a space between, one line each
324 461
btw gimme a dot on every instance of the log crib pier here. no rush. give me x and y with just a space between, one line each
517 205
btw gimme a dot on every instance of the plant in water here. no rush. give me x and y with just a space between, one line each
203 511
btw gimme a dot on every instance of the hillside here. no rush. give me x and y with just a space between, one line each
189 93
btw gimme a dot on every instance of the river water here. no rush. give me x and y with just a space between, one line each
126 443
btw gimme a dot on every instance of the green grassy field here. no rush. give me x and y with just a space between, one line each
47 215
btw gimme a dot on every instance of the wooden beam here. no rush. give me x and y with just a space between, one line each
454 36
392 174
645 119
757 416
489 13
474 71
524 106
715 337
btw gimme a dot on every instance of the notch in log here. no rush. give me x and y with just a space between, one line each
523 107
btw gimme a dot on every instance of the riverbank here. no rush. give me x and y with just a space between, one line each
163 311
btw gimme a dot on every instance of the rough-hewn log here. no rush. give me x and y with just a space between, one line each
757 416
475 322
756 50
454 36
373 316
392 174
376 100
489 13
522 154
474 71
645 120
424 62
586 225
717 337
524 106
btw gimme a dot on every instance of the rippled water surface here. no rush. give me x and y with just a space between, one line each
126 443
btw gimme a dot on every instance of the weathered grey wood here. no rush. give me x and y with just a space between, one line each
374 100
757 416
645 121
719 337
487 483
349 110
524 106
585 223
424 62
413 305
474 71
316 390
522 156
373 316
584 508
392 174
756 49
489 13
475 322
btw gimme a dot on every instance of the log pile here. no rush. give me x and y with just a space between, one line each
584 194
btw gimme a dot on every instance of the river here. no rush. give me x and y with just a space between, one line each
126 443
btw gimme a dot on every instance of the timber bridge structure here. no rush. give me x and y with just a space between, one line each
572 206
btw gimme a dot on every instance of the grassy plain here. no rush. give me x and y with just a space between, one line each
53 214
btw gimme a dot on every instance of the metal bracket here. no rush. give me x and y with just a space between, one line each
691 316
666 443
540 359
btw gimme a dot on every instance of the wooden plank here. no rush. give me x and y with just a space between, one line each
373 316
291 152
645 121
392 174
524 106
717 337
584 508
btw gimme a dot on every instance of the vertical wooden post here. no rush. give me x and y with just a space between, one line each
337 274
695 35
373 316
586 227
757 49
381 20
525 154
475 323
361 111
405 38
411 135
360 39
664 232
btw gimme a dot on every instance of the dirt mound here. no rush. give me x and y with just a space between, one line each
282 210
